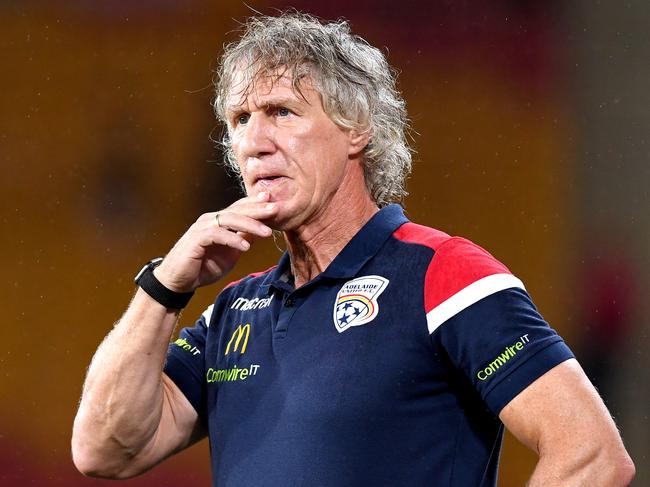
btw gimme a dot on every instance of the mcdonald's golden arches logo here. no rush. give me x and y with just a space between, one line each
241 332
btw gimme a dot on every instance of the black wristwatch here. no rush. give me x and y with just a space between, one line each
157 290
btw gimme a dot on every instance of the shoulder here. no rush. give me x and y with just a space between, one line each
413 233
250 278
456 258
460 272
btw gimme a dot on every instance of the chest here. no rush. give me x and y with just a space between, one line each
344 348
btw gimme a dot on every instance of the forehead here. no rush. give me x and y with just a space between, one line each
265 88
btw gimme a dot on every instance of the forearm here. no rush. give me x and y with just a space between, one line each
122 398
561 417
590 466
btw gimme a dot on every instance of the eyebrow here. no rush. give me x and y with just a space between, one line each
273 101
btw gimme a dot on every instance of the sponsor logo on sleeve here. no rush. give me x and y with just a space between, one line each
356 303
188 347
503 358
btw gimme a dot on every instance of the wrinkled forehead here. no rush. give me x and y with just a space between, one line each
247 84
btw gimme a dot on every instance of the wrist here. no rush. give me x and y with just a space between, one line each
149 282
167 280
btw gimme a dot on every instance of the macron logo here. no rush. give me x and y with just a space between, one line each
244 304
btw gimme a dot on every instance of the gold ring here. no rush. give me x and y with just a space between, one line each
216 217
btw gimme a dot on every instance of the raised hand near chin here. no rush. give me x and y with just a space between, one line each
211 247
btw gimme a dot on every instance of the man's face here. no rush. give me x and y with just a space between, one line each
286 145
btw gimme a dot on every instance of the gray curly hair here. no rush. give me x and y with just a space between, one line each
356 83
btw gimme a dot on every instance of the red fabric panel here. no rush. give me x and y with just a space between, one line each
457 262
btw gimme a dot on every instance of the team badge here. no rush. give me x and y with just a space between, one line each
356 302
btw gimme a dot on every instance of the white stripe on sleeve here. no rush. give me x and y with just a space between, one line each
207 315
470 295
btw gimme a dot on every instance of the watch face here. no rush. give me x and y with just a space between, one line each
152 264
139 275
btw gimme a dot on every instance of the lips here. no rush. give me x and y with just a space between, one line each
269 180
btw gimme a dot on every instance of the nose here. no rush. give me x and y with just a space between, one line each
256 138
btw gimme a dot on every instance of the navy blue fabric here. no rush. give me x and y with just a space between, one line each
186 367
485 333
381 404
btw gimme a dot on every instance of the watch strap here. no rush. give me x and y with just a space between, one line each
157 290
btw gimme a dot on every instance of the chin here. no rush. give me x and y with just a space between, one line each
286 219
282 223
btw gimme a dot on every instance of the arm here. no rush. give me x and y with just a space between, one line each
131 416
561 417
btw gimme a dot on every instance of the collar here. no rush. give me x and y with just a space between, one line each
359 250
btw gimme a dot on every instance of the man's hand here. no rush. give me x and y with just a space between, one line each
212 246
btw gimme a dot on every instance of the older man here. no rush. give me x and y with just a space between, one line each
377 351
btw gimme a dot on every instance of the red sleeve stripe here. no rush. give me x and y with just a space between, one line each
468 296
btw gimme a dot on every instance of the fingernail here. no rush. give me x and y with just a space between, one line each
245 245
270 206
261 196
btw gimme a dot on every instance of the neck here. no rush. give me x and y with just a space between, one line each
315 245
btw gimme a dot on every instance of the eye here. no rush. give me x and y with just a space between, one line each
242 119
284 112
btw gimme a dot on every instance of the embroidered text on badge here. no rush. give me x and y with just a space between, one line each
356 302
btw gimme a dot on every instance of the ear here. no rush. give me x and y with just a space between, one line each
358 141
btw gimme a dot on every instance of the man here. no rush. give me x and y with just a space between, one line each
377 352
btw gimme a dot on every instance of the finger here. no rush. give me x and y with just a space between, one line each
221 236
250 201
241 223
250 237
262 196
257 210
254 209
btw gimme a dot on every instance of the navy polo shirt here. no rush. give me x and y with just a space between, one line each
390 368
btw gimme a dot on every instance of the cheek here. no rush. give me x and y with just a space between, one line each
335 157
234 148
319 155
304 152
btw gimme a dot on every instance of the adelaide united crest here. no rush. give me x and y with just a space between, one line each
356 303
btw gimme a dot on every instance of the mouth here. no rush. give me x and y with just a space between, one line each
269 181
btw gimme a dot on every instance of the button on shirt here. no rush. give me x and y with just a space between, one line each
389 368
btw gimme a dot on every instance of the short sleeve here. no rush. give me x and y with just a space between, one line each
489 327
186 359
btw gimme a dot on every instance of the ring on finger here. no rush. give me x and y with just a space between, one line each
216 217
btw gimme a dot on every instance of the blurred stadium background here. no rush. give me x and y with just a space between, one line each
532 129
